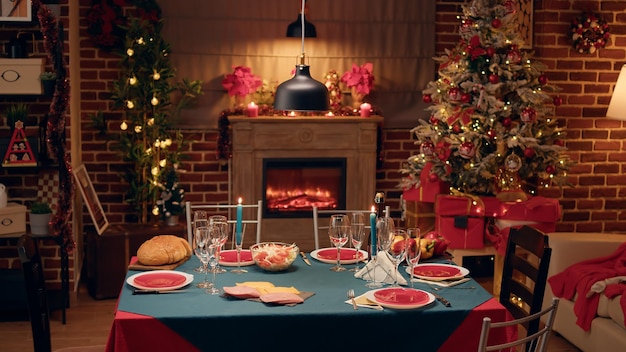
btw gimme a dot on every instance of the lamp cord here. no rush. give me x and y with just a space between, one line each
302 24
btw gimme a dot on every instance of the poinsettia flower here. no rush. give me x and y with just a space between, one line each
241 82
361 78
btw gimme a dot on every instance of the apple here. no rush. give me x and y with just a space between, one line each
441 243
398 244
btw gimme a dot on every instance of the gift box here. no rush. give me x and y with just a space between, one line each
492 206
418 214
428 189
461 221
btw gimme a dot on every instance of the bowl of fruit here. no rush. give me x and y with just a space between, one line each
274 256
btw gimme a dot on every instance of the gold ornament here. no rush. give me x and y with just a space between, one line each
508 183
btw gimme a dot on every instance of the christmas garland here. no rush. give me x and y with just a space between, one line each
589 33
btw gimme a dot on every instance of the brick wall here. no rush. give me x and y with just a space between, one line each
594 203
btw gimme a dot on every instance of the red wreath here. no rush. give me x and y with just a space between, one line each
589 33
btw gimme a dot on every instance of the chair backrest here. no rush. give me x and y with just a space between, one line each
524 274
536 342
252 214
38 310
323 225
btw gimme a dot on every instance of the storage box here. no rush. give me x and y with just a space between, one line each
12 219
418 214
428 189
21 76
461 221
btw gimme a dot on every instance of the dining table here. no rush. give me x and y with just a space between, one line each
192 320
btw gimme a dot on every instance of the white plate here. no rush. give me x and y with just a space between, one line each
440 272
329 255
162 280
424 298
229 257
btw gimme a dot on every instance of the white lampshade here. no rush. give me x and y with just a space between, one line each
617 106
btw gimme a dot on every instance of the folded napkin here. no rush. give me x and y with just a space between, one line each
443 283
364 302
381 269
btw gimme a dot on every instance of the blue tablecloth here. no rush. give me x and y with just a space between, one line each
213 321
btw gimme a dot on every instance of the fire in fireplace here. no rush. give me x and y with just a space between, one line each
291 187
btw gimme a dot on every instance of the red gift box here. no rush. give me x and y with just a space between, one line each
461 221
493 206
428 190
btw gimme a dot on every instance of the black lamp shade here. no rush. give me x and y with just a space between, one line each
302 93
295 29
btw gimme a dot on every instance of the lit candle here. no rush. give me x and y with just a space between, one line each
366 110
238 225
330 114
373 232
253 110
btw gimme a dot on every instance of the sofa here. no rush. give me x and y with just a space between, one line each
607 327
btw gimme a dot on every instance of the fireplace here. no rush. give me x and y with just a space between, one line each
291 187
318 140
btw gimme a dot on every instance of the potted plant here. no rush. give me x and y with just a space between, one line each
171 205
40 215
48 82
16 112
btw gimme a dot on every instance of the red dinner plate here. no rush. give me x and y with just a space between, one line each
344 254
401 296
436 271
229 257
160 279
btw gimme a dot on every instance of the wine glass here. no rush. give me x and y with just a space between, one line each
384 231
213 250
200 219
221 223
238 245
414 251
397 251
339 232
201 238
357 223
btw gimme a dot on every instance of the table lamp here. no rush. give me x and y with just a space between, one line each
617 106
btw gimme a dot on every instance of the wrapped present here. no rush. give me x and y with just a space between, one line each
461 221
493 207
418 214
429 187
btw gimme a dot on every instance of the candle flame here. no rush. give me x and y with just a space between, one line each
239 200
373 209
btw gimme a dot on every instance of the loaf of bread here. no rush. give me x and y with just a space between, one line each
163 249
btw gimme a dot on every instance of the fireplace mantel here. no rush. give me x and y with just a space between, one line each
257 138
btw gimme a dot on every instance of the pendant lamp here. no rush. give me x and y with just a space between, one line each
294 30
302 92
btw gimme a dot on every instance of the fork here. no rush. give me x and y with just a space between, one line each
351 296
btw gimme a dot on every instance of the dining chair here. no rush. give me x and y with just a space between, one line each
524 274
37 299
252 214
318 213
536 342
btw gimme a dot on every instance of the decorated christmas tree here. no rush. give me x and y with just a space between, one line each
150 100
491 129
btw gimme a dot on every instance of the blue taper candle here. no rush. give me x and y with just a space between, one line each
238 225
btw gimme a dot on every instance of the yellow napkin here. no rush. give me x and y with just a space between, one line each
267 287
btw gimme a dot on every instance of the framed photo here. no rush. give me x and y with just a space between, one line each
16 10
525 14
91 199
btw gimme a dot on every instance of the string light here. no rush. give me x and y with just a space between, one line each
123 126
154 101
130 52
132 80
138 129
130 104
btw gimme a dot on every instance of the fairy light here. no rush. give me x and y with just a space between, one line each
151 121
123 126
138 129
155 210
156 76
154 171
130 52
132 80
163 162
154 101
130 104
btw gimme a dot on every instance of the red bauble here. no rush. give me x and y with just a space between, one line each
427 148
491 134
550 169
529 153
493 78
496 23
426 98
456 128
491 51
434 120
558 142
465 97
557 101
454 94
528 115
543 79
432 177
506 122
467 150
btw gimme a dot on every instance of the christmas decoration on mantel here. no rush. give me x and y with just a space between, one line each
491 127
589 32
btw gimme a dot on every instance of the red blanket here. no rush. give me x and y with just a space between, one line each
578 278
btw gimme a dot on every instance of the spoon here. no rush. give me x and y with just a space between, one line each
443 288
351 296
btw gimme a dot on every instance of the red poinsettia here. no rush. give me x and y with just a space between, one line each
241 82
361 78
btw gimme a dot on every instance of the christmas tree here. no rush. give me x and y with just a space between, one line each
151 103
491 128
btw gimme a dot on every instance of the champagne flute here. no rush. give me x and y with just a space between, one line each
357 223
201 238
238 245
414 251
339 232
384 230
221 223
213 246
397 251
200 219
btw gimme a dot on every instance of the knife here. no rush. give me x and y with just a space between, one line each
149 292
306 260
443 301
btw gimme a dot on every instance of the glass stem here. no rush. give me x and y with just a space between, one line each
338 256
239 257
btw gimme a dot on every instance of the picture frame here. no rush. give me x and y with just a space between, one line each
90 197
16 10
525 20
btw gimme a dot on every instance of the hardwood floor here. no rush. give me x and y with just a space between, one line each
89 322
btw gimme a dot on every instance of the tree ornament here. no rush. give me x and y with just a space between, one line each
496 23
456 128
558 142
493 78
454 94
514 56
528 115
543 79
427 98
491 51
529 153
433 120
506 122
427 148
465 98
432 177
550 169
492 134
557 101
508 182
467 150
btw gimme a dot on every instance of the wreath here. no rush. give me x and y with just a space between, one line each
589 33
